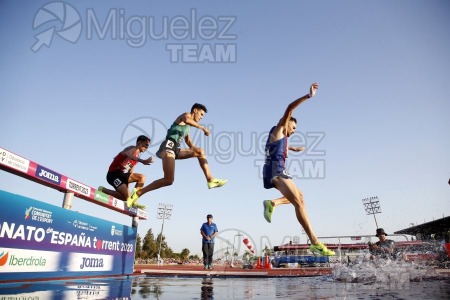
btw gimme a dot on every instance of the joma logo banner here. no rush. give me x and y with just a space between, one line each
48 175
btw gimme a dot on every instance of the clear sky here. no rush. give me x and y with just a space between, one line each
78 85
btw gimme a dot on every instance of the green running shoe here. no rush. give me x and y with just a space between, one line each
268 210
132 199
321 249
216 183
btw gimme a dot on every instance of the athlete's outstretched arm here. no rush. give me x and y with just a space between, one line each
293 105
130 151
296 149
187 118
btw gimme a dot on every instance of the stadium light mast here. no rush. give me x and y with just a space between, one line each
164 212
372 207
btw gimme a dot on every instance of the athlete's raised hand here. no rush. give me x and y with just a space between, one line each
313 89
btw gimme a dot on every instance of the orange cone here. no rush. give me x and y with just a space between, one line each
258 265
266 263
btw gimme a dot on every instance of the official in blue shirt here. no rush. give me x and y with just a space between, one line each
208 231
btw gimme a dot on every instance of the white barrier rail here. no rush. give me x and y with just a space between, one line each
28 169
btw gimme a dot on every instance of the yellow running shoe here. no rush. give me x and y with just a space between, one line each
216 183
321 249
139 206
268 210
132 199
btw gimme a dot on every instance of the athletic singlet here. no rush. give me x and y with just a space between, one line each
276 152
123 163
177 132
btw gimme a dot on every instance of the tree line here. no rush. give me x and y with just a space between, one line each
148 248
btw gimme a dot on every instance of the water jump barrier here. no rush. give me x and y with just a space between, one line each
40 241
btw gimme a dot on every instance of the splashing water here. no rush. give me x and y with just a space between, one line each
395 273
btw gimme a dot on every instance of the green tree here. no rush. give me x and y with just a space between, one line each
184 254
138 248
166 252
194 257
149 246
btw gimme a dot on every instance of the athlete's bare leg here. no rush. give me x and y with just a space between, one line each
290 191
139 179
201 156
168 163
280 201
121 193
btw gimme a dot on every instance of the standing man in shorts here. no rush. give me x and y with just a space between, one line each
276 176
120 172
170 150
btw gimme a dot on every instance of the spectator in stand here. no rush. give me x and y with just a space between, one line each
384 248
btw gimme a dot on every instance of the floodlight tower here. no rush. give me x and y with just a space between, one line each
164 212
372 207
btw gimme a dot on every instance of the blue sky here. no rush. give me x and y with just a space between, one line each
377 126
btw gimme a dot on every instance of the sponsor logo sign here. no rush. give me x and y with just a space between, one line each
118 203
39 215
48 175
90 262
102 197
23 260
14 161
142 214
83 225
115 231
77 187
